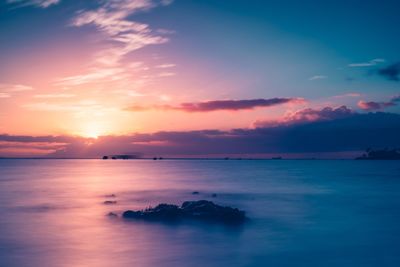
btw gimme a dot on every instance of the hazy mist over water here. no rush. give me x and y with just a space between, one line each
302 213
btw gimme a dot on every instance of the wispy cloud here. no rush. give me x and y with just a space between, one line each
370 63
8 90
15 87
373 105
133 93
166 74
318 77
88 107
164 98
218 105
4 95
348 95
38 3
122 35
94 75
164 66
54 96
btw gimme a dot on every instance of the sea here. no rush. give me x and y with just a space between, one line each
300 213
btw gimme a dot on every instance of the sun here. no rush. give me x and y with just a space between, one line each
92 134
92 130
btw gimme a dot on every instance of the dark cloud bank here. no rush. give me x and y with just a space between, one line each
307 131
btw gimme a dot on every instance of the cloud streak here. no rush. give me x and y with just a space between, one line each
318 77
8 90
54 96
221 105
370 63
37 3
4 95
94 75
347 95
91 107
164 66
15 88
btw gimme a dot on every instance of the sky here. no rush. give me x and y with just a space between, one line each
185 78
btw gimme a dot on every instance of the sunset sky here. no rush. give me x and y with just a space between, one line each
198 78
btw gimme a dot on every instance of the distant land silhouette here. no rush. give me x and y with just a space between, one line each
384 154
131 156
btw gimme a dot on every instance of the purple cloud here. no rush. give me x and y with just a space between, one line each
235 104
215 105
372 105
308 115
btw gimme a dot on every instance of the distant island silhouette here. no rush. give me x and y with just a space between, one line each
384 154
140 156
131 156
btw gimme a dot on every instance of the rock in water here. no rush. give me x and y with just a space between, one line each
207 210
198 210
160 212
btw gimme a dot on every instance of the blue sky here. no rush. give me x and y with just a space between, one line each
66 60
271 46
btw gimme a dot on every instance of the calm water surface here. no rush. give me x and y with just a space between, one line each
303 213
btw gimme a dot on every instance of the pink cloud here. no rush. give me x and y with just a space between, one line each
373 105
308 115
348 95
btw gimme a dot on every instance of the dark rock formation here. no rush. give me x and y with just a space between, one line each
195 193
199 210
160 212
385 154
214 195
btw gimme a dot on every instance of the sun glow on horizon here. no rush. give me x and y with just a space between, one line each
92 130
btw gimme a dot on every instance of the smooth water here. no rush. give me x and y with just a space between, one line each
303 213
